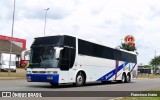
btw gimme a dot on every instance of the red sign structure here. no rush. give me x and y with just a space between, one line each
23 41
129 39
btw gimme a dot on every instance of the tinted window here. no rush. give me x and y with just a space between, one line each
91 49
117 54
42 52
95 50
67 56
43 57
51 40
69 41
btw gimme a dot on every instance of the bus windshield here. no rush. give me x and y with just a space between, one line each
43 57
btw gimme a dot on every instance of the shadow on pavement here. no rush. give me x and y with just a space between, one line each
72 86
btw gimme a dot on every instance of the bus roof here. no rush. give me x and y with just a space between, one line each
93 42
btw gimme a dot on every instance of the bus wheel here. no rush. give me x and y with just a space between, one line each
124 79
79 79
53 84
128 79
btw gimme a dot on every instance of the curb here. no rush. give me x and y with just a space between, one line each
143 78
147 78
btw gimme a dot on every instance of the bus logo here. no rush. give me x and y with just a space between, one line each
6 94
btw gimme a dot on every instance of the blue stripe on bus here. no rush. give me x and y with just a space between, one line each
133 67
43 77
111 73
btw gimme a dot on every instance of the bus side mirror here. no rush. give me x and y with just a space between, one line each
0 63
58 50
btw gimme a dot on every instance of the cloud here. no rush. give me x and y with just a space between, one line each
35 9
103 21
5 10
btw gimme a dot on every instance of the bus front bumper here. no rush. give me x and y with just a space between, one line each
43 78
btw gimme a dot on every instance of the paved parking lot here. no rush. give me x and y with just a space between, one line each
135 85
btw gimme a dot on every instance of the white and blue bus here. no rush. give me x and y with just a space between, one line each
66 59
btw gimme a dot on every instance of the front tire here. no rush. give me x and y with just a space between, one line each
80 80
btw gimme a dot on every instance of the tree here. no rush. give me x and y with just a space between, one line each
128 47
155 62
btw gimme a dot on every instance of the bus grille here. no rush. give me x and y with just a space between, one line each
38 71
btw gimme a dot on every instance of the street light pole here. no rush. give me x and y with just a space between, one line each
45 20
12 36
155 63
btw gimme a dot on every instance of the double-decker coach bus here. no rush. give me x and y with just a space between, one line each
67 59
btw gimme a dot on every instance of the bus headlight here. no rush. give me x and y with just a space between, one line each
29 72
52 72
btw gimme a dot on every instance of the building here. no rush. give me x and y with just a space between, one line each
145 69
18 45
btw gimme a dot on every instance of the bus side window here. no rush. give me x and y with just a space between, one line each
72 57
67 58
64 60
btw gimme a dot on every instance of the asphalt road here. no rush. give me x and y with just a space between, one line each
135 85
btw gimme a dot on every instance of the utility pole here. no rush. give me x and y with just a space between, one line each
155 63
12 36
45 20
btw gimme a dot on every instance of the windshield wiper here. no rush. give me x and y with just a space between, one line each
41 57
43 62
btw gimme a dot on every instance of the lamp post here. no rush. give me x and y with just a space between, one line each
45 20
155 63
12 36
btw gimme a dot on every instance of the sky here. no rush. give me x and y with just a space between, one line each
103 21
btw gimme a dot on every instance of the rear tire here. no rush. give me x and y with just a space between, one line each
80 80
128 78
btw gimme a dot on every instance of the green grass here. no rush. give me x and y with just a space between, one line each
20 73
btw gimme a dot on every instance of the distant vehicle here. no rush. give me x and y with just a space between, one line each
67 59
25 57
4 62
157 71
